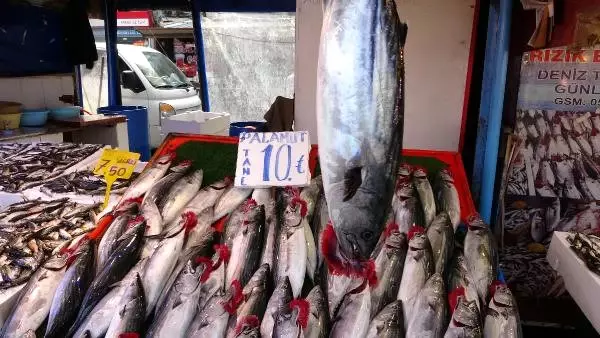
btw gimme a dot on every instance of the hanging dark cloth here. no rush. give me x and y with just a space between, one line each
79 40
280 117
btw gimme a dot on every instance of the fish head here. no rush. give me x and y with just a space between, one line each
166 159
405 170
295 211
247 326
466 313
417 238
502 296
396 240
420 172
57 262
446 176
475 223
404 189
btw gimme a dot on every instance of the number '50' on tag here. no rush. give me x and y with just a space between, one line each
273 159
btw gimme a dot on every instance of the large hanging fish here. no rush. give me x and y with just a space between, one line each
360 111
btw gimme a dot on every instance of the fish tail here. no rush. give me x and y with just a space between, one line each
101 226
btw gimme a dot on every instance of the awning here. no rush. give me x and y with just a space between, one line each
166 33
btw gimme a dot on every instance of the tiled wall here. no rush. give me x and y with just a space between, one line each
37 91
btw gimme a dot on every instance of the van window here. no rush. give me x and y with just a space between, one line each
159 70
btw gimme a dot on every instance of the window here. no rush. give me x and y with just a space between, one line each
160 71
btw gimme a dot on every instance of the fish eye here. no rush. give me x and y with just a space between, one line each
367 235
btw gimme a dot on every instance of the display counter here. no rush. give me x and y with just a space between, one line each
582 284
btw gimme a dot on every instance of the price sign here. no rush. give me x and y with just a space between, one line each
273 159
115 164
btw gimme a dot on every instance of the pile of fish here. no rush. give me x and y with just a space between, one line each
84 182
180 259
34 164
587 247
560 156
30 233
10 149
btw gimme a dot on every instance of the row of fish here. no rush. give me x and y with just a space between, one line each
558 161
32 165
84 182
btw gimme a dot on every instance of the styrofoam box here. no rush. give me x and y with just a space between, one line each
197 122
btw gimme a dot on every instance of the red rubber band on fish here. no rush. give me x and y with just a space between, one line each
340 266
420 168
101 226
293 191
415 229
224 253
390 229
453 297
303 207
303 307
129 335
248 321
190 220
492 288
249 204
219 225
236 297
208 267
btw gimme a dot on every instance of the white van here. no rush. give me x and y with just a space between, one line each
148 78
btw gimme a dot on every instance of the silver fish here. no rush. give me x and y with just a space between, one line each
318 319
254 300
235 220
182 192
447 197
230 200
360 112
389 265
211 321
110 239
481 256
320 221
200 236
163 260
291 246
418 267
280 299
425 194
441 237
248 327
207 196
33 305
271 231
465 322
246 247
406 206
131 312
352 319
8 297
160 188
71 290
97 322
290 320
459 277
428 316
311 195
388 323
502 319
148 177
182 301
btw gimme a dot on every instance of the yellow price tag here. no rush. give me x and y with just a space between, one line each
115 164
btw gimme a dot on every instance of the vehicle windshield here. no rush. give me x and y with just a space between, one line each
160 71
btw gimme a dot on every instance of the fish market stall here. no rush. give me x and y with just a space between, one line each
567 255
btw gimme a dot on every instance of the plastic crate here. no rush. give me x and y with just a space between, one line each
216 155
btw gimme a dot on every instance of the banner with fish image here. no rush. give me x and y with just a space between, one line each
553 175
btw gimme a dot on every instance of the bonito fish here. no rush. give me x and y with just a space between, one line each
280 298
360 112
246 247
129 316
182 192
502 319
428 317
148 177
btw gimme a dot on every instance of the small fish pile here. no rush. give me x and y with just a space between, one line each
35 164
84 182
587 247
32 231
11 149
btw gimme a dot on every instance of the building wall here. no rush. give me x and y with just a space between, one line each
437 54
37 91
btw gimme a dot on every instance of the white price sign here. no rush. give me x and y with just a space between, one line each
273 159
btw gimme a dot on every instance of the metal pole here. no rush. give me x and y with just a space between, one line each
110 33
78 86
492 104
201 61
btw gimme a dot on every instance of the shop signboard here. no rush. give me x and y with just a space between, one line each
273 159
553 177
134 19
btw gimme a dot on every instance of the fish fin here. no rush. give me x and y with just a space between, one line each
352 181
303 307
